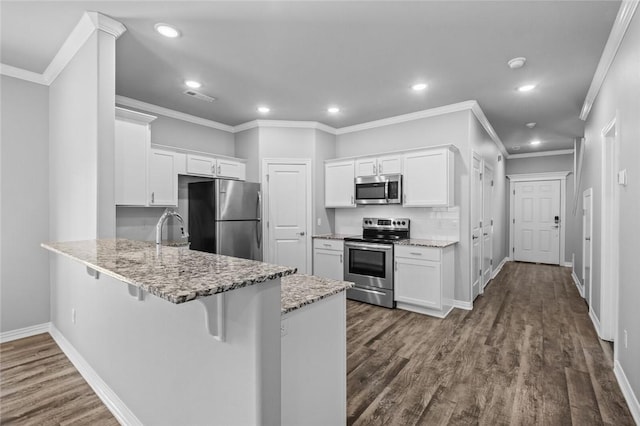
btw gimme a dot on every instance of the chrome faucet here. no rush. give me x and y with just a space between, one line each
167 213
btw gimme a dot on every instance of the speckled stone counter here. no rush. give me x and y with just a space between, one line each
332 236
298 290
425 243
175 274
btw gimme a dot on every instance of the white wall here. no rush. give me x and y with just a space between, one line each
573 223
325 148
620 97
247 147
24 207
439 130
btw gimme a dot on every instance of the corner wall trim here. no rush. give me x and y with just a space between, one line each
499 267
620 25
541 154
595 321
627 391
117 407
21 333
477 111
576 281
460 304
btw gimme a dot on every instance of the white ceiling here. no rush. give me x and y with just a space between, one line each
300 57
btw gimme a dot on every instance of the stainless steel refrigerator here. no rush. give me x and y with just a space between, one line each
224 218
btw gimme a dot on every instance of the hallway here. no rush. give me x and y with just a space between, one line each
526 354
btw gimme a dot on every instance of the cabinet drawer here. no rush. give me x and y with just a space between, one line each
416 252
328 244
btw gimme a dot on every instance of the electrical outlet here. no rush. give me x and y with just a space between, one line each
626 340
319 221
73 315
284 328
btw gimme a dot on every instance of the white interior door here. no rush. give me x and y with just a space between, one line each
587 250
287 211
537 221
487 225
476 227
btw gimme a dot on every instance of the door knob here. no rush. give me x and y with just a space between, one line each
301 234
587 238
475 237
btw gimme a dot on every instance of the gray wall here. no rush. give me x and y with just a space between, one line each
325 148
619 97
247 147
24 206
573 223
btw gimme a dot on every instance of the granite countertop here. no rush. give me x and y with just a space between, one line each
298 290
175 274
426 243
332 236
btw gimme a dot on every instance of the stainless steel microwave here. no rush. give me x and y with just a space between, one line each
386 189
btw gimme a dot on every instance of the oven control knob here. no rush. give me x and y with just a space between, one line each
404 223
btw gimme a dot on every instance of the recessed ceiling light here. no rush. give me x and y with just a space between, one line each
167 30
193 84
535 142
516 63
264 109
526 88
531 125
333 110
419 86
516 148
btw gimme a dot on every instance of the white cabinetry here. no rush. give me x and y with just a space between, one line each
132 141
428 178
424 279
201 165
163 178
386 165
339 184
328 259
231 169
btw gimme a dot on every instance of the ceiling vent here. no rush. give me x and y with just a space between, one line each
198 95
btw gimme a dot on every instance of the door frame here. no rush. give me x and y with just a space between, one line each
531 177
472 272
266 162
587 294
609 232
486 166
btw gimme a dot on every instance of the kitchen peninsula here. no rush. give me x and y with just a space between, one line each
167 360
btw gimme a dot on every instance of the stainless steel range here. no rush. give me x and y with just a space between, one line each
369 260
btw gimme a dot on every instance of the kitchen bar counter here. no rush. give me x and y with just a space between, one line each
174 274
298 290
426 243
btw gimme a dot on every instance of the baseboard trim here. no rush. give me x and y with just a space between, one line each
21 333
576 281
117 407
462 305
595 321
627 391
499 267
568 264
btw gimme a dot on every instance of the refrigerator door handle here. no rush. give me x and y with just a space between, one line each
258 222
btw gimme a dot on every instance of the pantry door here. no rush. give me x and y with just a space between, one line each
536 221
287 207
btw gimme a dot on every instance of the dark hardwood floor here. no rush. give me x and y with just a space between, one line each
527 354
40 386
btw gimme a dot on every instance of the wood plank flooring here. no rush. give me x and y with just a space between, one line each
40 386
527 354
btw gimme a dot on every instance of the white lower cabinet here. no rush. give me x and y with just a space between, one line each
424 279
328 259
163 178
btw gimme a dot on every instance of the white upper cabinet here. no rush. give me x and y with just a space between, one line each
386 165
339 186
428 178
163 178
132 141
200 165
231 169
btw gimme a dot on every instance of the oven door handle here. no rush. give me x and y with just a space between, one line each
369 246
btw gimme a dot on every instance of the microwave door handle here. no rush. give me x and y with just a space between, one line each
386 190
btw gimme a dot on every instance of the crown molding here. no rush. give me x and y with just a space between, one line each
22 74
620 25
477 111
284 124
447 109
136 116
538 176
88 24
541 154
134 103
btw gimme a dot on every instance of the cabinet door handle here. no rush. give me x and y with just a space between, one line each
416 253
352 199
374 170
340 258
396 265
326 245
153 197
380 169
405 199
219 168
